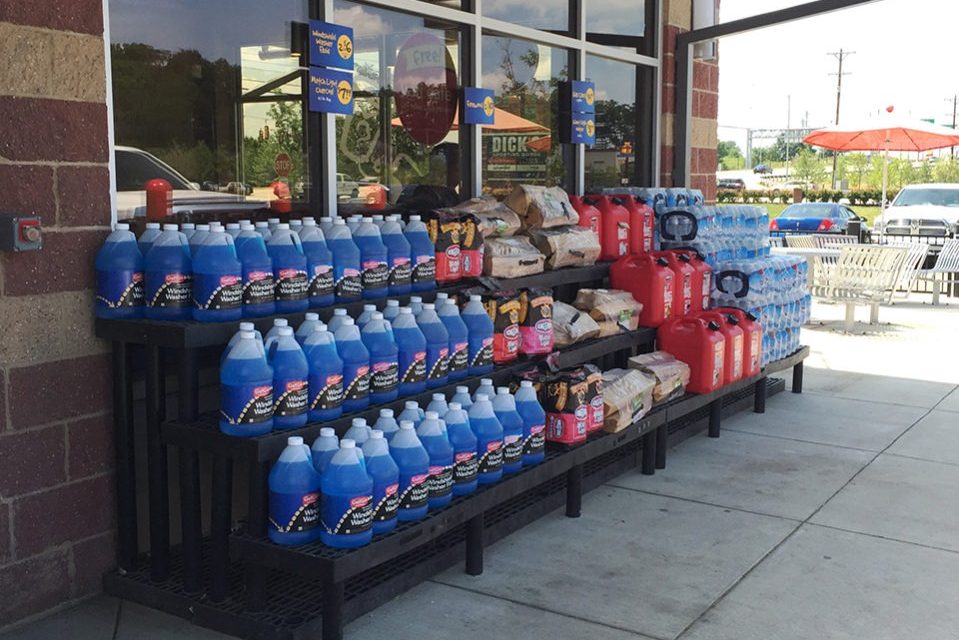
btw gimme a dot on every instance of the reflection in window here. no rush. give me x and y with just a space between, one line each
616 17
210 89
522 146
401 145
549 15
611 161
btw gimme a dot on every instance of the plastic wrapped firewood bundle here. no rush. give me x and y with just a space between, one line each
511 258
671 375
627 397
571 325
542 207
610 305
493 218
566 246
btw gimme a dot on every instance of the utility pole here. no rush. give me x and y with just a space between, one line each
840 56
955 100
789 110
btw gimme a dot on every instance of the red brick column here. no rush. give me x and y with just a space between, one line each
56 481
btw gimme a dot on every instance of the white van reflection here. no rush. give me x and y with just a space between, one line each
135 167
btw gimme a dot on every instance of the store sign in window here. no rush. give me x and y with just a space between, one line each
331 45
331 91
425 82
478 106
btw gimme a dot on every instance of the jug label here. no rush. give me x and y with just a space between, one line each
215 292
246 403
358 376
415 370
169 289
718 360
484 355
322 282
375 274
292 398
123 288
492 459
465 467
294 512
258 287
346 515
440 481
386 508
425 269
512 449
596 411
438 363
417 491
535 442
737 357
326 391
291 284
401 272
349 285
385 377
754 352
687 293
459 359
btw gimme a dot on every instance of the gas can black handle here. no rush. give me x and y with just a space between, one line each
713 325
663 262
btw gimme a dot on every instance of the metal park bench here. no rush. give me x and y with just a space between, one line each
798 241
915 257
863 275
947 264
829 240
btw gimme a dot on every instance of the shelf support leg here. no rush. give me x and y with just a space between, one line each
759 399
189 472
157 467
649 453
662 441
715 417
334 597
220 515
125 451
474 545
255 577
797 377
574 491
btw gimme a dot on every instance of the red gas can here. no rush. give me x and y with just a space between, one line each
735 347
752 339
684 274
651 282
702 279
614 225
700 344
641 222
589 216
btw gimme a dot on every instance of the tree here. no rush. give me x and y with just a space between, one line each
729 154
856 163
808 168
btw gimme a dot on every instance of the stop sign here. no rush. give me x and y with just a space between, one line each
283 165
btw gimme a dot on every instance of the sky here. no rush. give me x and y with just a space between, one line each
905 56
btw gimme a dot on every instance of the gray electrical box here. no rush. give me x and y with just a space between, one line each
20 233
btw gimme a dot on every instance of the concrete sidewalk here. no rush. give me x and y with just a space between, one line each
833 515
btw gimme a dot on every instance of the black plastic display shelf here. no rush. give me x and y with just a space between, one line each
189 334
205 435
340 564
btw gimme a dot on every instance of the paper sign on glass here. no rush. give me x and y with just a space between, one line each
331 91
478 106
583 129
582 97
331 45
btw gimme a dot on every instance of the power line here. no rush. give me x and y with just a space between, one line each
840 56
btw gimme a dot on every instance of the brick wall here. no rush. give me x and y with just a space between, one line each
56 482
677 18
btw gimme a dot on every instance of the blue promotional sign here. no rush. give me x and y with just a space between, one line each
582 97
331 45
478 106
331 91
583 128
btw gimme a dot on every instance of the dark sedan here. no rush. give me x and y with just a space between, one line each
814 217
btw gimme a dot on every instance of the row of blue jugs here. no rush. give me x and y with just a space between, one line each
342 492
323 371
216 274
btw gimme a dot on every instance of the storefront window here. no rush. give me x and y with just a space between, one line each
401 145
611 161
549 15
522 146
616 17
207 95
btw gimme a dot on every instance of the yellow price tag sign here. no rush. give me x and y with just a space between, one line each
344 46
344 92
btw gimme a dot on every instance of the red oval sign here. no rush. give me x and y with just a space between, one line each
425 88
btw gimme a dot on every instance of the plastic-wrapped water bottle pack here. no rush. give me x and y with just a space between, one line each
737 232
773 289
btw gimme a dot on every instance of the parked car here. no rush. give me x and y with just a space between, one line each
135 167
814 217
734 184
346 187
762 168
922 210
